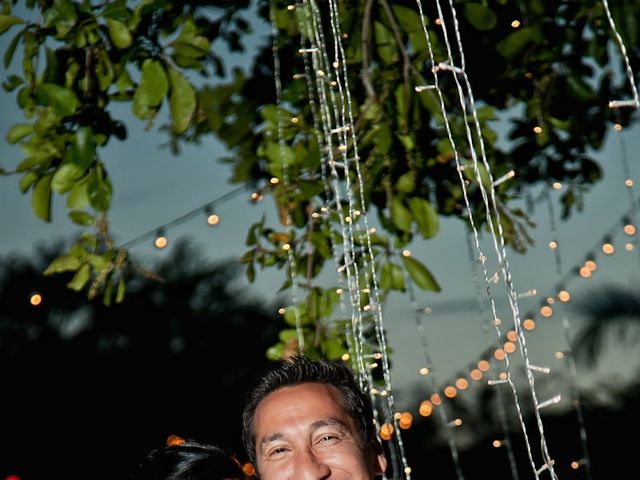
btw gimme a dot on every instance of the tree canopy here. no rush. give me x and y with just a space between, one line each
546 70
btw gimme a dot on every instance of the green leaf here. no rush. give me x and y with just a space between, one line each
65 176
27 180
391 277
11 83
518 41
80 217
78 196
11 49
99 190
420 274
385 43
122 289
426 216
480 16
116 10
82 150
296 313
408 18
63 101
579 89
400 215
470 174
61 15
8 21
18 132
119 33
63 263
81 278
182 101
406 183
152 89
333 348
41 198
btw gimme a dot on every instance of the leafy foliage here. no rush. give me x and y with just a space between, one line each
553 68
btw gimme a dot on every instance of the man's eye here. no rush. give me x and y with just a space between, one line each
277 451
328 438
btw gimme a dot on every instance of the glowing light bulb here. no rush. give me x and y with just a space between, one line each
585 272
35 299
499 354
608 248
213 219
274 180
436 399
496 443
484 365
537 129
617 127
386 431
282 310
406 419
161 241
345 357
248 470
509 347
515 23
559 355
476 374
556 185
564 296
406 253
628 246
553 245
424 371
529 324
512 335
174 440
546 311
462 383
450 392
426 408
629 229
591 265
628 183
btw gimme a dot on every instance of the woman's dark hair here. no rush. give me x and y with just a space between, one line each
189 461
297 370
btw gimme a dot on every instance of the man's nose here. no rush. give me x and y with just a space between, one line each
310 466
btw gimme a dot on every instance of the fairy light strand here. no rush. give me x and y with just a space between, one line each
498 238
285 173
431 375
369 260
303 24
485 328
623 51
185 217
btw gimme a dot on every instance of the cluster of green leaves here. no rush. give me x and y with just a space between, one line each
76 61
554 69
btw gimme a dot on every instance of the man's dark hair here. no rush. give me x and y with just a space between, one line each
297 370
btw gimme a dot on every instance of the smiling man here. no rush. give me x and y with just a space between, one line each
309 420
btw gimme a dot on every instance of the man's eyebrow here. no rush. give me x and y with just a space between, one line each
331 422
271 438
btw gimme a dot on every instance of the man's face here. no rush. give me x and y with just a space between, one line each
302 433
